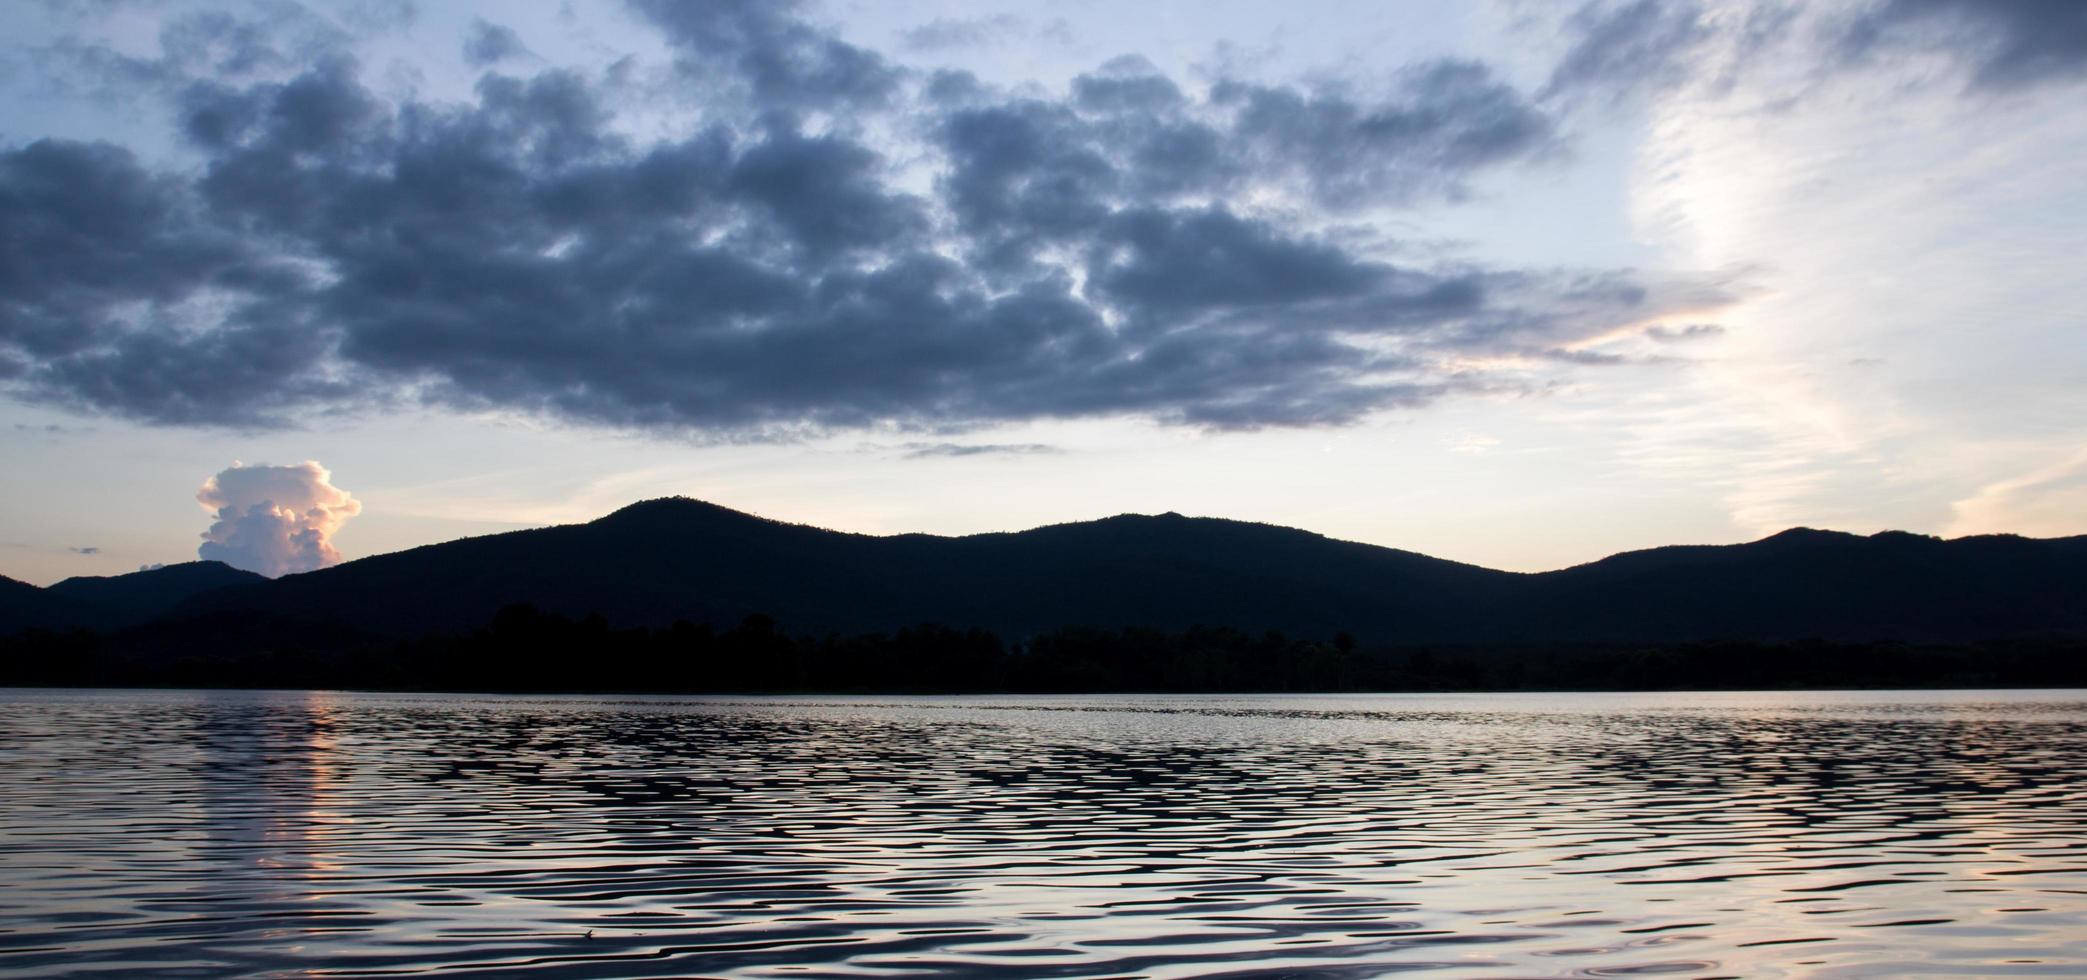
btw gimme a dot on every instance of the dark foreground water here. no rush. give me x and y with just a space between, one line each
217 833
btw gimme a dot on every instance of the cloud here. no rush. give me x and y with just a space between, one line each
944 33
2047 501
776 59
1694 331
1126 247
934 450
2004 44
86 550
1621 48
263 40
275 520
89 229
488 43
1444 122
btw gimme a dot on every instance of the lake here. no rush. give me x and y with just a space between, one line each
218 833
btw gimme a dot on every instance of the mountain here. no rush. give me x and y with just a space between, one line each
24 606
113 601
122 600
662 560
1806 583
658 561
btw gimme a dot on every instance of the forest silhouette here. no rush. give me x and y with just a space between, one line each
524 649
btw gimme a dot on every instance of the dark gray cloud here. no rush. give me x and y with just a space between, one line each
781 61
1443 123
766 272
1618 50
2005 44
489 44
826 193
1163 263
85 228
1032 174
85 550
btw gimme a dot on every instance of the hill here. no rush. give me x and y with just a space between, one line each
1806 583
24 606
659 561
124 600
106 602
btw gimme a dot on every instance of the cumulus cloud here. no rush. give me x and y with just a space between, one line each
274 520
765 271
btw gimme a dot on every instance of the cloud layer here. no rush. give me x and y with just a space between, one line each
1639 47
834 240
274 520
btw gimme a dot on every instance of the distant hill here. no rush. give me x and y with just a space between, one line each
24 606
662 560
1806 583
655 562
123 600
113 601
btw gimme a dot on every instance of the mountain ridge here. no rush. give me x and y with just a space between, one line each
140 596
656 561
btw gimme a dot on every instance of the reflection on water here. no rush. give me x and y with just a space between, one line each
220 833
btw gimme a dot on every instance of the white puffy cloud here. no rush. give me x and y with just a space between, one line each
275 520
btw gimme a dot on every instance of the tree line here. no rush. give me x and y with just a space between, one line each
524 649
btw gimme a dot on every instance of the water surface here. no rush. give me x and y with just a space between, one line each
207 833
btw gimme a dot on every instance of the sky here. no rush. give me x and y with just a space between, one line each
1518 284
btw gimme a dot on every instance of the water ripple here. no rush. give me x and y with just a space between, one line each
323 834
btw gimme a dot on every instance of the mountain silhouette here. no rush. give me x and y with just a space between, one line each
24 606
113 601
655 562
123 600
659 561
1810 583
